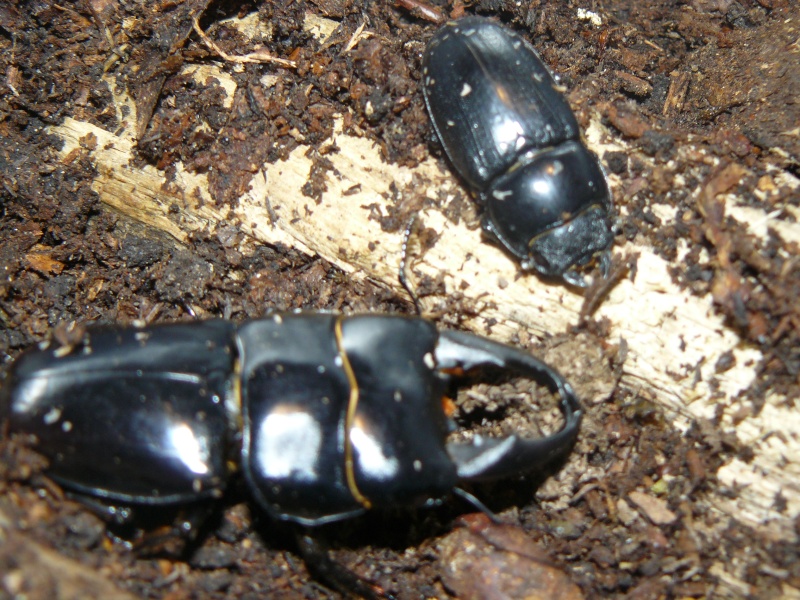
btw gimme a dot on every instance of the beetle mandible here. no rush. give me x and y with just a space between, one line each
326 416
514 140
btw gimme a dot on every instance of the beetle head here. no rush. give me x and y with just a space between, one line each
551 209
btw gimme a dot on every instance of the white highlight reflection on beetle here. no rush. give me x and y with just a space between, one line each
289 442
371 459
508 133
542 188
191 450
30 393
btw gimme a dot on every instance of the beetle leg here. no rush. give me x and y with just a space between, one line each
319 562
402 275
605 263
112 514
493 458
124 523
574 277
173 538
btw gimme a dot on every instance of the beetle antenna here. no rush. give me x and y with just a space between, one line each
465 495
404 263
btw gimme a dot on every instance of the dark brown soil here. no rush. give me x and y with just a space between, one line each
65 258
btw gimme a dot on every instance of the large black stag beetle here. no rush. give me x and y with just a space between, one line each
326 416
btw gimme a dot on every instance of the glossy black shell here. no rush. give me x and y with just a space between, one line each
326 416
132 415
165 413
297 376
514 140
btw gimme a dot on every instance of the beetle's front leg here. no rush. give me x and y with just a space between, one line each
484 458
318 560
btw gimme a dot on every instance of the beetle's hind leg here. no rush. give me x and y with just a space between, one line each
146 529
179 536
402 275
415 229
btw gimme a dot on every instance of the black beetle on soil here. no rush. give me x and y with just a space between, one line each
326 416
514 140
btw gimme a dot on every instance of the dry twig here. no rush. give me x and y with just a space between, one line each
261 55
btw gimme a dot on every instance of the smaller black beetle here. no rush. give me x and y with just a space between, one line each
514 140
326 416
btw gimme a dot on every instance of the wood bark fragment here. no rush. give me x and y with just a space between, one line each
54 575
